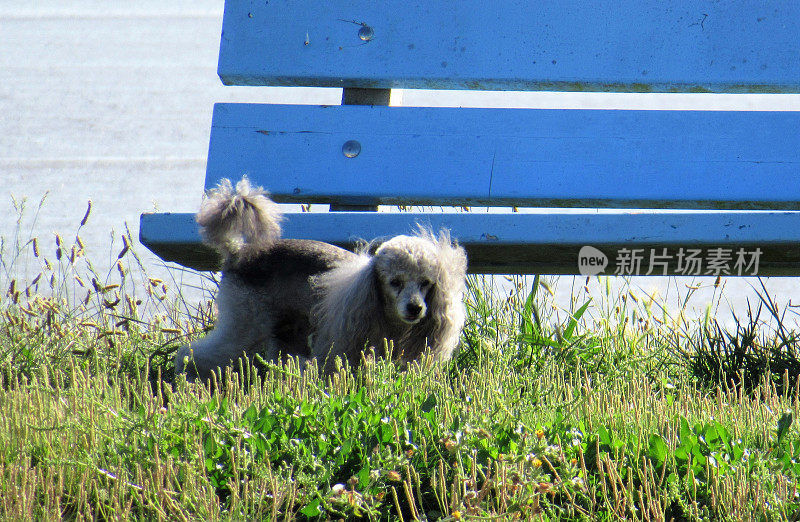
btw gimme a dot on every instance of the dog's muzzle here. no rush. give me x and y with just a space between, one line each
412 313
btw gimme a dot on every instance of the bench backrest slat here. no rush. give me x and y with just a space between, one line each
569 45
456 156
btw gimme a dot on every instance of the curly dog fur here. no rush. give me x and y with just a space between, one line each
309 299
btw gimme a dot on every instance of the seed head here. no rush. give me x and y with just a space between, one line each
393 476
88 211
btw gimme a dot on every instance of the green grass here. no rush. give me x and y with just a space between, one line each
604 411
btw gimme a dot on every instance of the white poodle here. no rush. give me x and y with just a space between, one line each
290 297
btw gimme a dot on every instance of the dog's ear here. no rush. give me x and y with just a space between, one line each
350 310
445 299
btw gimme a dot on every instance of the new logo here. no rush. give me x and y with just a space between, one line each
591 261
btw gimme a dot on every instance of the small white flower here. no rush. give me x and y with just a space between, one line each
551 450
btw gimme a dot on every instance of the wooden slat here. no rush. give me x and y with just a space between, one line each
525 157
569 45
546 243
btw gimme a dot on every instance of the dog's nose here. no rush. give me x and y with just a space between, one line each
413 309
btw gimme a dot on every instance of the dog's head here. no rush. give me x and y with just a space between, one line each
408 289
407 270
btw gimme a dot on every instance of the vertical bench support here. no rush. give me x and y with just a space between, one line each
356 96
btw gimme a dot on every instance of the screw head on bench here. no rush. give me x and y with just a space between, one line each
351 148
366 33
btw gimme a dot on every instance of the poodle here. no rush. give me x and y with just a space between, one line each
312 300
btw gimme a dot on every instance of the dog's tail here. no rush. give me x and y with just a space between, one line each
239 222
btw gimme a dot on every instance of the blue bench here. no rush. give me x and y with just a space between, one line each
744 165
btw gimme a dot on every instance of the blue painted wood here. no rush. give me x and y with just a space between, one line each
528 242
371 155
445 156
571 45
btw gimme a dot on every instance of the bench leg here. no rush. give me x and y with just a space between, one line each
357 96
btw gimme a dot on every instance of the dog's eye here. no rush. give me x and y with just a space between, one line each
424 283
396 282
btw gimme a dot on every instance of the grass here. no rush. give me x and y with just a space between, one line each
612 409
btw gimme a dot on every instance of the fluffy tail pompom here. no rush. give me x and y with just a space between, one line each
239 222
